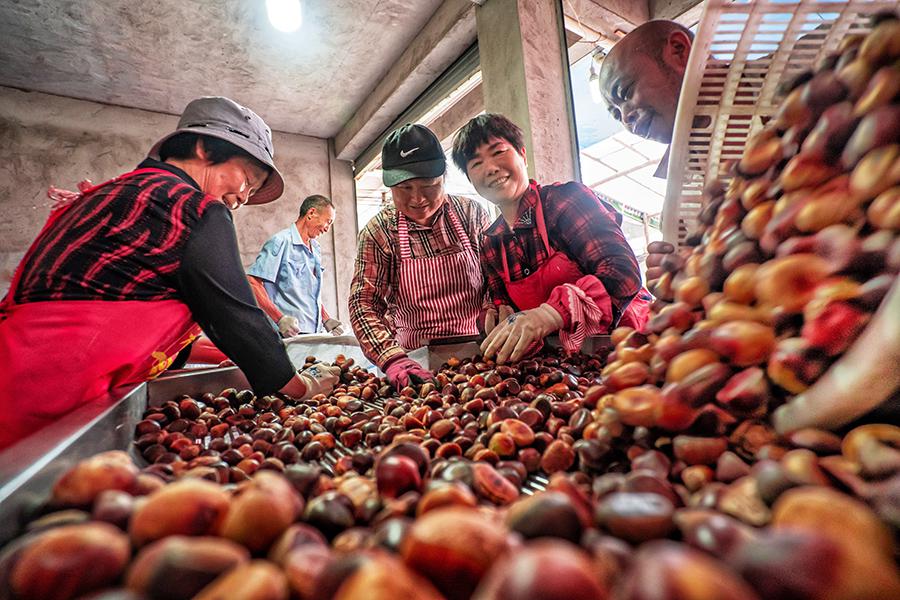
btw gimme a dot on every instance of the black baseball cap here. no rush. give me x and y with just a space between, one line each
411 152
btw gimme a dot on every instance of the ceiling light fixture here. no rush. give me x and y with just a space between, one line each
284 14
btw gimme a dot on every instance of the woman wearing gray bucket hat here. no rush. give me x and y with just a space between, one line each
125 275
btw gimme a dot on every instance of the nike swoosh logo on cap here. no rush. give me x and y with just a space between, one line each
405 153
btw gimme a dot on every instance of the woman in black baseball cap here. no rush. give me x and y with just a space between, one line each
417 276
126 273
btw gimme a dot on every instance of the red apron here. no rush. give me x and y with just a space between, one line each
440 296
59 355
558 269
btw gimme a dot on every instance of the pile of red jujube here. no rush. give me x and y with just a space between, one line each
663 476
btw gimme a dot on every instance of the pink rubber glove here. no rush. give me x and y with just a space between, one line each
398 371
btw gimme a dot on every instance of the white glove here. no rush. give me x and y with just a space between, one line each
492 316
288 326
319 378
334 327
520 332
490 320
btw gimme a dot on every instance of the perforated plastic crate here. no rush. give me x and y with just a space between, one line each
742 53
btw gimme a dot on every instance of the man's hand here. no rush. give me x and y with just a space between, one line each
399 370
319 378
288 326
334 327
656 252
856 383
520 332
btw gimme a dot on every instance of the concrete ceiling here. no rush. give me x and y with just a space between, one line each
346 74
158 55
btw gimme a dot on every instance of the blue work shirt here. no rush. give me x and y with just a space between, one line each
292 275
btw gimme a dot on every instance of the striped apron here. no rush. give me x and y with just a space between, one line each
440 296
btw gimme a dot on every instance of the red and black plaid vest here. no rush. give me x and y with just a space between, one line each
123 241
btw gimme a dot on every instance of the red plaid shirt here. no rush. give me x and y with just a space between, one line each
578 224
124 241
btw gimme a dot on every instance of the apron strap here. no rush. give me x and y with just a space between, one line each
403 236
506 278
457 226
541 225
455 223
123 176
542 231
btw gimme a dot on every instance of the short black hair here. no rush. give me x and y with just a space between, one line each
184 146
315 201
479 131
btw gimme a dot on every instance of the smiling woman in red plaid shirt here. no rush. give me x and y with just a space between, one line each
556 254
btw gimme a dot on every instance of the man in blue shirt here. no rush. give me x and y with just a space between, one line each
287 275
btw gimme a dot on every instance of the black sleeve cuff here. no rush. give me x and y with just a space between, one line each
215 287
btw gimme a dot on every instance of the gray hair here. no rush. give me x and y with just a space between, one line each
316 201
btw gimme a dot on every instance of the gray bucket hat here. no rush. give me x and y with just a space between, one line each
227 120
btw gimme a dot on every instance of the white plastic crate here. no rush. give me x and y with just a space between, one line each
742 53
